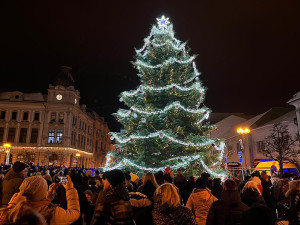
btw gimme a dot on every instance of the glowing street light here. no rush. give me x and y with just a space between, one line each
243 130
7 147
77 157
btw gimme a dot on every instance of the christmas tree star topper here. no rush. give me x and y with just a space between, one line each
163 22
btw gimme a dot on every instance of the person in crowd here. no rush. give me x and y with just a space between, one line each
113 205
134 181
206 177
167 207
258 214
216 188
251 195
47 177
89 196
34 194
257 180
77 179
142 208
28 216
149 185
12 181
159 177
266 185
168 172
128 183
200 201
243 182
190 185
293 196
168 179
180 182
228 209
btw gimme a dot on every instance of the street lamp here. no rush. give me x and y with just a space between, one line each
243 132
77 157
7 147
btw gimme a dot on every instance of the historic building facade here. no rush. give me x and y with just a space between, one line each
52 129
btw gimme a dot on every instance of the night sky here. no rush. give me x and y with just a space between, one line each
248 51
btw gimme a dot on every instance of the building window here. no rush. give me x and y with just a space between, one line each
14 115
78 141
34 135
1 133
59 135
260 146
11 134
36 116
53 117
73 138
51 136
25 116
61 117
2 115
23 135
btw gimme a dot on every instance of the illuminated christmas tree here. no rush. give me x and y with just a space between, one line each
164 123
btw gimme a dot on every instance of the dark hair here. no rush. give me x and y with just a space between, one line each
205 175
230 185
168 178
201 183
149 189
127 176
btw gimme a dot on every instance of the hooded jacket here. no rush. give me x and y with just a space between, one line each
11 184
199 202
250 197
226 211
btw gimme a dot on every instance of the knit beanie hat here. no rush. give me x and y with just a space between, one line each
18 166
115 177
34 188
88 173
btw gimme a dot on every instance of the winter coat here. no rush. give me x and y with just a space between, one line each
113 207
179 215
266 191
11 184
55 215
199 202
279 189
142 208
250 197
226 211
293 195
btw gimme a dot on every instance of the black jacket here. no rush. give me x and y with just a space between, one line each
226 211
250 197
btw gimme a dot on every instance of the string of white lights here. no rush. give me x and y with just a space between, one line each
162 134
177 105
168 61
141 88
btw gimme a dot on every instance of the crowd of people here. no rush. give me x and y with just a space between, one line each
53 195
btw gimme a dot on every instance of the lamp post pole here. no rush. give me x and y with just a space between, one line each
243 132
7 147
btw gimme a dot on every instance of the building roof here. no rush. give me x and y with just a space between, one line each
216 117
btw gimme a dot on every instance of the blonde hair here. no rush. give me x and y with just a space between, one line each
167 194
151 177
251 185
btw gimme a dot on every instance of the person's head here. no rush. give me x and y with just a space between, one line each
20 168
191 179
127 176
179 172
286 175
150 176
89 173
34 188
230 185
201 183
205 175
88 195
251 185
255 174
167 194
113 178
168 179
216 181
76 179
24 216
